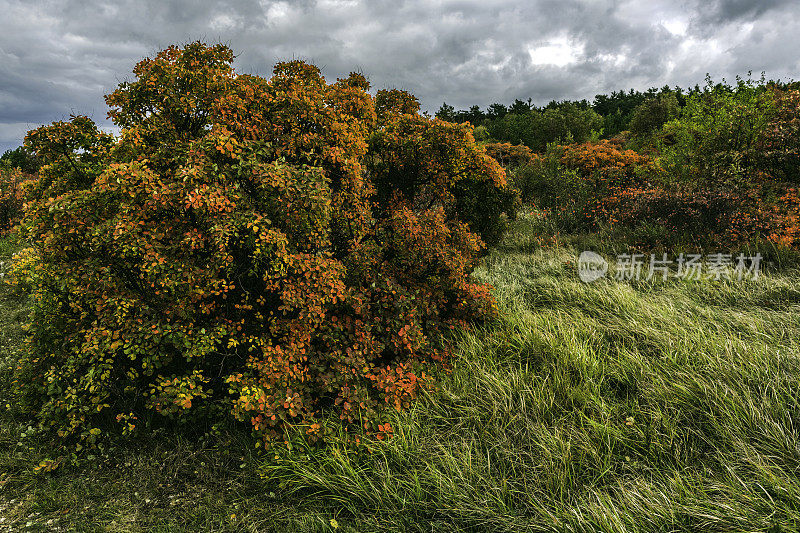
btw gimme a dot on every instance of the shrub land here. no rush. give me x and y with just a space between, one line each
287 304
721 171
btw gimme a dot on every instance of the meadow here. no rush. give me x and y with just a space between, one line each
613 406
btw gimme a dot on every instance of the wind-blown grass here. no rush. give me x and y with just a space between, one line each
660 406
613 406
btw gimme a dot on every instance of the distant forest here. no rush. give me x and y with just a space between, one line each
640 112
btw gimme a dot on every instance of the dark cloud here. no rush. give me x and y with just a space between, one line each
61 57
737 10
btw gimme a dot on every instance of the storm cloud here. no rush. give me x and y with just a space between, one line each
60 57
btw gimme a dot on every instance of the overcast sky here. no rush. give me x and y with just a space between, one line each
61 57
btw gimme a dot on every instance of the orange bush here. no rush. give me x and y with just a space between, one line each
271 249
13 183
579 182
786 220
705 216
510 155
604 162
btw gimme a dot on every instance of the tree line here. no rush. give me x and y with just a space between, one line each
608 115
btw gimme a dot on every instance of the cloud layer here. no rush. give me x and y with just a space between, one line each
61 57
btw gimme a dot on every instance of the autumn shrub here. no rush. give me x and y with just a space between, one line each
24 271
288 252
583 186
12 181
605 164
786 221
691 217
573 181
416 159
510 155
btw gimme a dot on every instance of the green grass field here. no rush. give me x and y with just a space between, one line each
614 406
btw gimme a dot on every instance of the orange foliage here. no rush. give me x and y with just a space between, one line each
395 101
13 184
510 155
787 220
276 249
603 161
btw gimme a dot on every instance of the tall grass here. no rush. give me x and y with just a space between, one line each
664 406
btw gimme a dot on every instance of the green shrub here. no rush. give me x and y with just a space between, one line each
538 180
19 158
718 139
651 115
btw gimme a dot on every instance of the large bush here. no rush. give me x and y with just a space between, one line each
574 181
274 250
